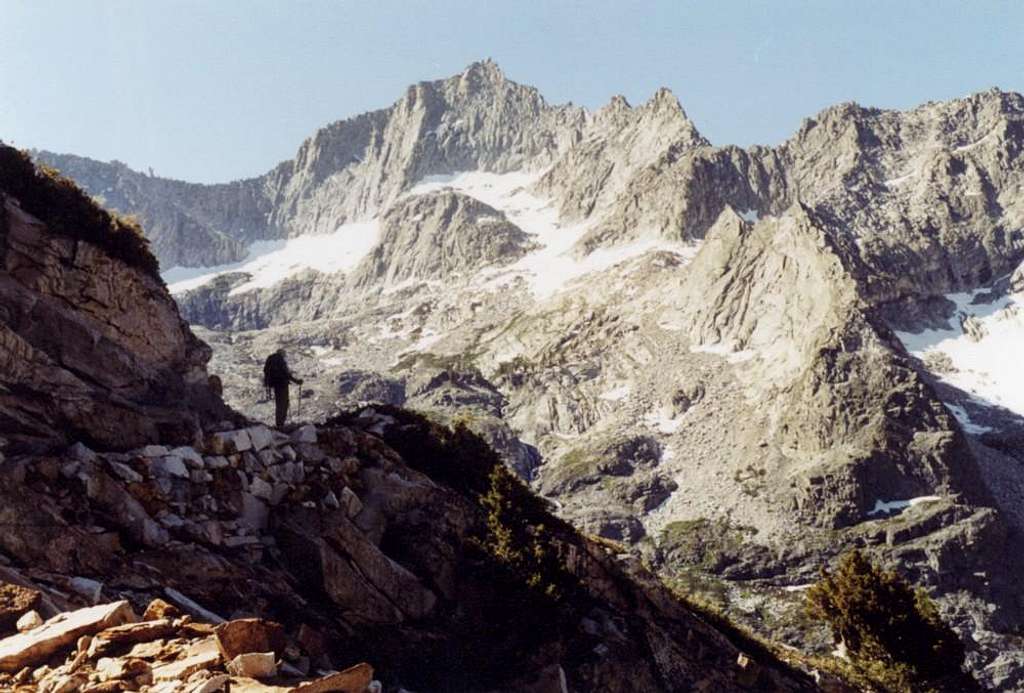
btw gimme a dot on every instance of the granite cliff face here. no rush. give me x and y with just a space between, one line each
477 120
711 354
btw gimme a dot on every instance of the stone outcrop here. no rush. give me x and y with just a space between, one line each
437 236
779 289
90 348
393 560
104 648
617 142
39 644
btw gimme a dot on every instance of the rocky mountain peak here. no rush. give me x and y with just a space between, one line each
481 74
664 99
617 104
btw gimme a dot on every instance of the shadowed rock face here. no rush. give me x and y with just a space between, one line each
90 348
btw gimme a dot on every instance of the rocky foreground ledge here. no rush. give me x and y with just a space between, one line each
108 648
270 561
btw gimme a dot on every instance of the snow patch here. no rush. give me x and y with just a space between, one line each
269 262
798 588
726 349
552 266
887 507
662 422
965 421
893 182
972 145
990 368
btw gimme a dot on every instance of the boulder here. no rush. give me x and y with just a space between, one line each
124 472
168 466
229 442
216 462
91 590
304 434
255 665
80 453
350 501
246 635
125 509
28 621
38 645
181 669
15 600
216 682
191 458
261 489
352 680
130 634
260 437
159 609
110 669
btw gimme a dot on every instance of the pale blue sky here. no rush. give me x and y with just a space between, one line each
213 90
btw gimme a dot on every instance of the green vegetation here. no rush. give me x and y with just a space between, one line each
706 544
514 573
66 210
892 632
518 542
514 367
518 536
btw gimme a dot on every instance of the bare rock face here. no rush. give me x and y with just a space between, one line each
439 236
927 193
855 418
475 120
90 348
617 142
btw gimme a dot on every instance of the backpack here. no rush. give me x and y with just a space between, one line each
275 371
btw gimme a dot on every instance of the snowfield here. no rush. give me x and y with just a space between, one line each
272 261
990 368
554 265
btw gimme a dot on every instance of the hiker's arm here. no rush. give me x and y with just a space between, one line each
291 377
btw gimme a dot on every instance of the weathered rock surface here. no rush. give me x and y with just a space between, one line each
438 236
90 349
37 645
347 170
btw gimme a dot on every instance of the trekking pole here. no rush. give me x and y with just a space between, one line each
298 403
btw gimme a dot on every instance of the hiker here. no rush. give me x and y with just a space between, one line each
277 377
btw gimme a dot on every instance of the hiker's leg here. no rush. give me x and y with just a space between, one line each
280 404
